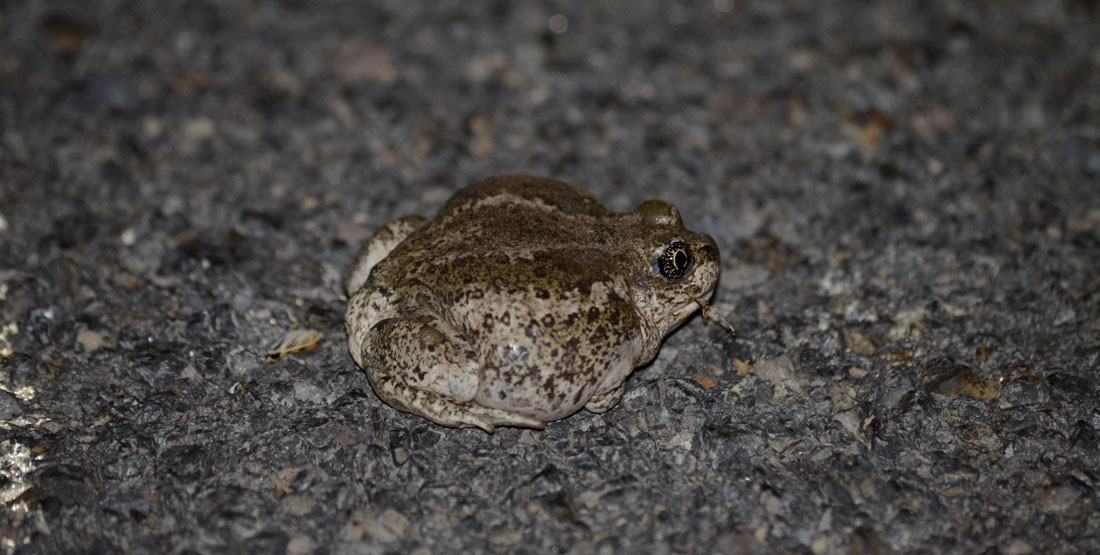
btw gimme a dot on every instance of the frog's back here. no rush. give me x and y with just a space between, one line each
525 190
509 234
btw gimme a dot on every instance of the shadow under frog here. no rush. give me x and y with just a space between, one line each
520 302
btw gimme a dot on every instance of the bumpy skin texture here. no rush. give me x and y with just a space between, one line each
520 302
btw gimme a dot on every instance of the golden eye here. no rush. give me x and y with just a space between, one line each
675 260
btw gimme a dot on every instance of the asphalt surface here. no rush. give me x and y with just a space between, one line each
906 196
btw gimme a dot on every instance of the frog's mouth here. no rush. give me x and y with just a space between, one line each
686 311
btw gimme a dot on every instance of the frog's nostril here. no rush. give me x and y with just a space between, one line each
709 251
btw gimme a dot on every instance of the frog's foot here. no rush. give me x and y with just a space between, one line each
604 402
417 365
446 412
487 418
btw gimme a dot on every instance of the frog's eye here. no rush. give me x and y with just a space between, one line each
675 260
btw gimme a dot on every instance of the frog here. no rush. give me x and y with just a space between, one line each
522 301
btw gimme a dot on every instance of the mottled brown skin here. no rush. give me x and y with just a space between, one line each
522 301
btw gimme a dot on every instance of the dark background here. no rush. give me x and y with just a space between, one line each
905 194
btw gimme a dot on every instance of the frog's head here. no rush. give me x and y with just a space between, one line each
675 268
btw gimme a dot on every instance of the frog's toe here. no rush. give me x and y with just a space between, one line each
461 415
487 419
604 402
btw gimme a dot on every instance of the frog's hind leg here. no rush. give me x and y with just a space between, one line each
415 367
376 248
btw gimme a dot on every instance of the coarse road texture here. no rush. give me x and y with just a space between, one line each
906 195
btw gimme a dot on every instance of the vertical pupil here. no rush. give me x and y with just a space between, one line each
675 260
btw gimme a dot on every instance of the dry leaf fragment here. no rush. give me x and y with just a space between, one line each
705 381
963 382
741 367
293 341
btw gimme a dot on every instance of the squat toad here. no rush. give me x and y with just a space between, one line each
520 302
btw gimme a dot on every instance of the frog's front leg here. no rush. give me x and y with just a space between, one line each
604 402
419 366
